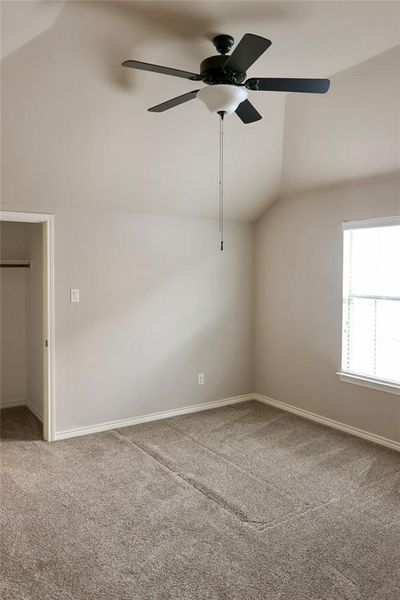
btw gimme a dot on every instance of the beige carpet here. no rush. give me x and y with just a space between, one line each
238 503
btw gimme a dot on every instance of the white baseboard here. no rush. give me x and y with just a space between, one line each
165 414
366 435
34 410
12 403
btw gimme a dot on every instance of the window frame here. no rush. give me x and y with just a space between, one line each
348 376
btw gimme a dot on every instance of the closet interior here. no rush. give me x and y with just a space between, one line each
22 301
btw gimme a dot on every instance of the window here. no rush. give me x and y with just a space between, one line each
371 301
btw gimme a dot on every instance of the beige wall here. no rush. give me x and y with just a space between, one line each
337 159
159 304
298 304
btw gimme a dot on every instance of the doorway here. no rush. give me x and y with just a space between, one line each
27 295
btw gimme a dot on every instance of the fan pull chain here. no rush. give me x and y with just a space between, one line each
221 178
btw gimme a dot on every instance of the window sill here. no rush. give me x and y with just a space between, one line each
376 384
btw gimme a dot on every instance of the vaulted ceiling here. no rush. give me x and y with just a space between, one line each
22 21
76 132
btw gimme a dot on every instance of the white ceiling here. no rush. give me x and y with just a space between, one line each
75 127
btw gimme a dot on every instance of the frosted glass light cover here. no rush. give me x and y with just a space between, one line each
222 97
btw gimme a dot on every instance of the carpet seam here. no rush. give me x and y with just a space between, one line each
236 513
230 462
202 490
215 498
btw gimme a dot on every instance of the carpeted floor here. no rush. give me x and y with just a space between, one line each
243 502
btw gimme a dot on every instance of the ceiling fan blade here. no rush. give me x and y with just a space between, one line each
135 64
248 50
247 113
277 84
174 102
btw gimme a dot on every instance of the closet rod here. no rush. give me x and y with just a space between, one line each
21 264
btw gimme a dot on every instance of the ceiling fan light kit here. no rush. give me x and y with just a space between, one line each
228 72
227 91
222 98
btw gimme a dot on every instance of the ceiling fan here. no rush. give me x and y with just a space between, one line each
225 76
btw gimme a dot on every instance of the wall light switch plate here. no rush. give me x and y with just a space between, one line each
74 295
200 379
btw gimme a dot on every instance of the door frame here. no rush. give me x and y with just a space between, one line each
48 313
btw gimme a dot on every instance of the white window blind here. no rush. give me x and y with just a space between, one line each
371 299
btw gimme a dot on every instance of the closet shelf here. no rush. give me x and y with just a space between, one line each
22 264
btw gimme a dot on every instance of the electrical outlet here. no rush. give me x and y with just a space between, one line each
74 295
200 379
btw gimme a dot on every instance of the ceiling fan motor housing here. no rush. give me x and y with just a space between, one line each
212 71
